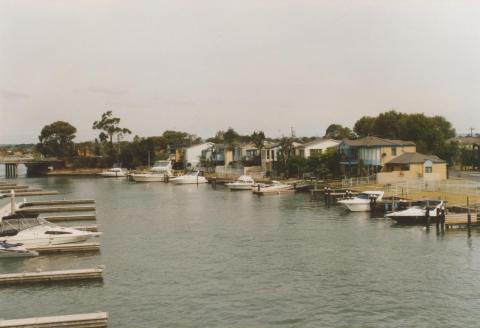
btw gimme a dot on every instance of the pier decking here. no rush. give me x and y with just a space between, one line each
87 320
50 276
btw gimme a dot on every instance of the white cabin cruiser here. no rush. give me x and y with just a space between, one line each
244 182
160 172
417 214
15 250
193 177
275 188
361 202
114 172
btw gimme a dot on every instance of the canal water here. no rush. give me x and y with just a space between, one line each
192 256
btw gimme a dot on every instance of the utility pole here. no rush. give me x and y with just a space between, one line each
471 131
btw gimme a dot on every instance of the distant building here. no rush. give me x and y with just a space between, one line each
413 166
315 147
466 142
372 152
193 155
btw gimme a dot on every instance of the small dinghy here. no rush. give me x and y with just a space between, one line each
15 250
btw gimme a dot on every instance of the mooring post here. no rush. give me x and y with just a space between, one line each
12 202
443 220
437 221
258 187
427 218
469 216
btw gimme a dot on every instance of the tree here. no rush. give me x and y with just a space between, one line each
178 139
339 132
110 129
364 126
230 137
258 139
56 140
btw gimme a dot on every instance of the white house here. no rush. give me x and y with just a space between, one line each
315 147
192 155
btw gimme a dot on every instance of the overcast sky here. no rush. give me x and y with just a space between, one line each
201 66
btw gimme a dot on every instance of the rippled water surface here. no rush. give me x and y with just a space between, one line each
188 256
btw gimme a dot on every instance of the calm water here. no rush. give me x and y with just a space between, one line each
188 256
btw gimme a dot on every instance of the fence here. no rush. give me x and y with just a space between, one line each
450 186
350 182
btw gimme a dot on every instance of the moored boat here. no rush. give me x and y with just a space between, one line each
15 250
362 202
193 177
160 172
114 172
418 213
275 188
244 182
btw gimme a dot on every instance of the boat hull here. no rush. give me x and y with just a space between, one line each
113 174
357 207
239 186
149 178
189 181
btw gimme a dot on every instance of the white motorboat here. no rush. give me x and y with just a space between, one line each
114 172
362 202
160 172
417 214
192 177
37 232
15 250
244 182
275 188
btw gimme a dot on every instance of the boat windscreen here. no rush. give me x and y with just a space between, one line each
19 224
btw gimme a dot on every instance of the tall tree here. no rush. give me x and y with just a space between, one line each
364 126
339 132
258 139
109 125
56 139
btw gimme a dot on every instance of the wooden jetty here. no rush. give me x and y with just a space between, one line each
50 276
70 218
59 202
31 193
87 320
461 220
39 210
68 248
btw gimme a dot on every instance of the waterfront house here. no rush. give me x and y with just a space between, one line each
468 142
193 155
371 153
315 147
413 166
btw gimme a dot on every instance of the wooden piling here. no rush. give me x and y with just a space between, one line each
50 276
91 320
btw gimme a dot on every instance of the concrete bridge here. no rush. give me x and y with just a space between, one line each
34 165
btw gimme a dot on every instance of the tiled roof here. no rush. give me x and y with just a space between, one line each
415 158
376 141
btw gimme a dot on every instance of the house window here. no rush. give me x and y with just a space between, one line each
428 165
302 153
273 155
394 151
268 154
